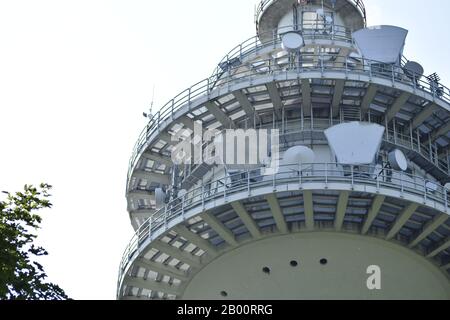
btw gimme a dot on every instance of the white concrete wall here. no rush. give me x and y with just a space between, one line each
404 274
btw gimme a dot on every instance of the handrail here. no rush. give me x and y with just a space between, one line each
299 174
410 142
254 44
315 63
259 10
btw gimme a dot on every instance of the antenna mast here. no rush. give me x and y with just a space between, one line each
150 114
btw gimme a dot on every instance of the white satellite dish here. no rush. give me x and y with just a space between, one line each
382 43
297 155
398 160
447 186
431 187
329 19
292 41
355 143
160 198
413 69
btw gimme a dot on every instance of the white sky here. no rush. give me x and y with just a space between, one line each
75 77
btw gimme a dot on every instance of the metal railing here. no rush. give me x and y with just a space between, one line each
306 125
254 44
311 63
300 174
412 142
261 7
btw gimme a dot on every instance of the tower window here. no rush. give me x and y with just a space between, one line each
314 22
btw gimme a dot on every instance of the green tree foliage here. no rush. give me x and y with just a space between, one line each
21 277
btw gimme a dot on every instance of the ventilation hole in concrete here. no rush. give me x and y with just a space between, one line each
266 270
294 263
323 261
224 294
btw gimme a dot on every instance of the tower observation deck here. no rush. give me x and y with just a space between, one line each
359 180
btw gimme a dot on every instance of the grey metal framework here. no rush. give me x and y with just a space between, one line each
426 96
257 85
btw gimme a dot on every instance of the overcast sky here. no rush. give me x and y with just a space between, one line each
75 77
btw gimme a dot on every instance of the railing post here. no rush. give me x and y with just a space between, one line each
225 186
387 129
274 39
401 183
159 121
446 199
173 108
346 68
189 97
353 176
150 225
378 180
273 181
433 90
248 183
411 136
321 64
183 199
393 76
300 176
426 191
165 218
430 148
203 195
394 124
326 175
419 147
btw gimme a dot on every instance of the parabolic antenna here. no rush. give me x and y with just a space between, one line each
382 43
297 155
447 186
398 160
355 55
355 143
160 198
432 187
413 69
292 41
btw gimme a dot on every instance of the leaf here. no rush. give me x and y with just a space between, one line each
21 277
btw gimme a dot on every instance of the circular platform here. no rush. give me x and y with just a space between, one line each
177 244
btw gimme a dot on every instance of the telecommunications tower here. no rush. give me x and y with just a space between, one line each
358 207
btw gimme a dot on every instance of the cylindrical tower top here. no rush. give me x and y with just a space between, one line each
305 14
